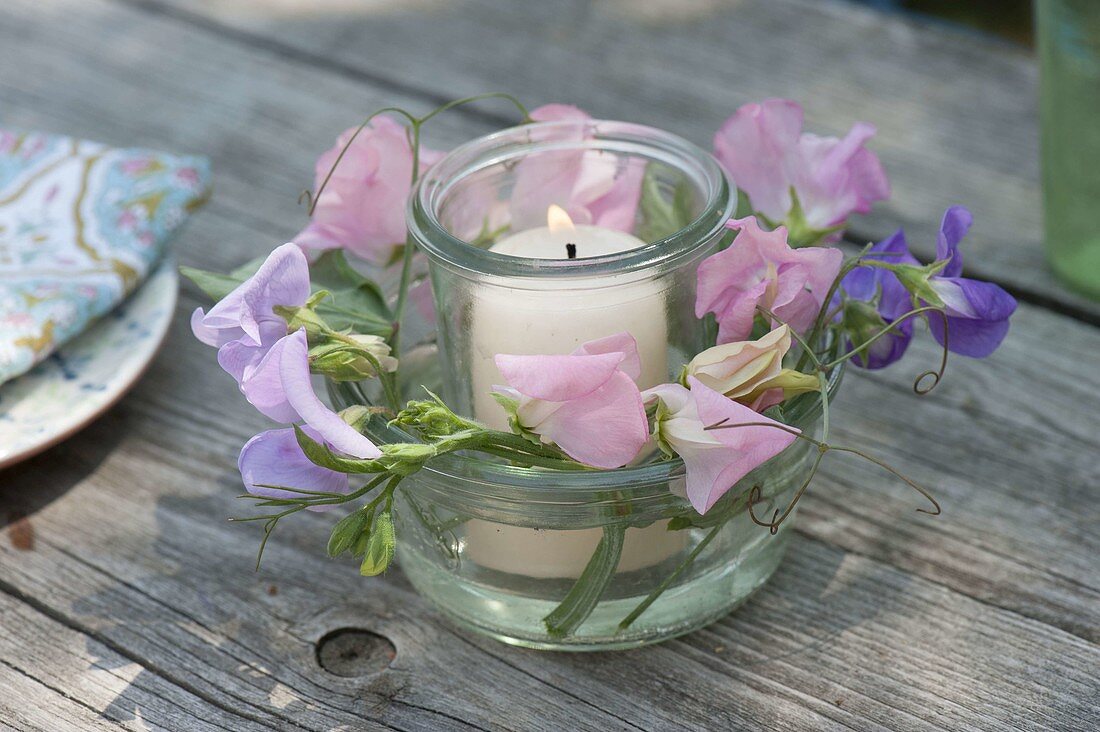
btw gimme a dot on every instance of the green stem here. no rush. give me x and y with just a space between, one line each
395 110
881 333
534 461
585 594
667 582
822 315
410 251
477 98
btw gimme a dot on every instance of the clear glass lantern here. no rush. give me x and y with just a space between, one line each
499 548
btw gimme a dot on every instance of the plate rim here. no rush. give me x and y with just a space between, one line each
54 439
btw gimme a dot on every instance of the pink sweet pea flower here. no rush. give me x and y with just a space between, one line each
274 458
586 403
593 187
767 154
751 372
714 459
362 209
760 268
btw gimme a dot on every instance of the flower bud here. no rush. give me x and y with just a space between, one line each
351 357
380 546
433 419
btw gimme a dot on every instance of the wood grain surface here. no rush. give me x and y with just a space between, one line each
133 603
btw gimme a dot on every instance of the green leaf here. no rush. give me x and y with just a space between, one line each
214 284
347 532
356 302
380 546
585 594
218 285
661 217
679 523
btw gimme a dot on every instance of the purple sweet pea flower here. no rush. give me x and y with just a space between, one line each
977 312
275 458
881 290
244 327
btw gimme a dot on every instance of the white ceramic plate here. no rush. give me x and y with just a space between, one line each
85 377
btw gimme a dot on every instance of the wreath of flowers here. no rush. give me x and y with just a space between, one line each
774 295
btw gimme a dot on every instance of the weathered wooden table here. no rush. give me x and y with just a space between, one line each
127 600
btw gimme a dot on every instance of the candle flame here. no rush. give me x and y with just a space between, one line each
557 219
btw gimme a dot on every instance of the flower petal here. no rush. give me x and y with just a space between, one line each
557 378
621 343
754 145
978 314
261 380
746 447
606 428
294 372
274 458
956 222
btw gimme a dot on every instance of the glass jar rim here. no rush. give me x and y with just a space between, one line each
441 246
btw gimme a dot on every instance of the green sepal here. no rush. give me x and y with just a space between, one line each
511 406
380 546
915 279
799 231
304 317
318 454
406 458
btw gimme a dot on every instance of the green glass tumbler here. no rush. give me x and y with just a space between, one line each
1069 55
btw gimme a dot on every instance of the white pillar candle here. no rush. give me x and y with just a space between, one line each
556 318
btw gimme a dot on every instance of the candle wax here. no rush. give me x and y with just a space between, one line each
555 317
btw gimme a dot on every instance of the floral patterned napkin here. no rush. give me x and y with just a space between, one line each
81 225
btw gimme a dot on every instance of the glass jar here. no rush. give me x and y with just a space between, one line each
647 207
1069 54
470 532
578 560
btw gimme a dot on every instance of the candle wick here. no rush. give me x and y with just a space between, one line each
571 250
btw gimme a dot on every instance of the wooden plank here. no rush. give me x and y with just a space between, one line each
28 705
130 549
956 112
54 659
833 626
